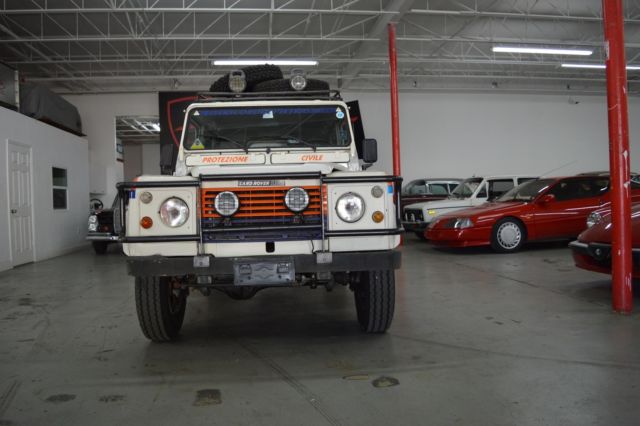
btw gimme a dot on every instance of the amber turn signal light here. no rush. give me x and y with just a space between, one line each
146 222
377 216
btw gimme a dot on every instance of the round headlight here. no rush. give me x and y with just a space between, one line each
296 199
226 203
298 82
237 81
174 212
593 219
350 207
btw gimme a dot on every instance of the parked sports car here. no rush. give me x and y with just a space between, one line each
592 249
427 189
471 192
544 209
101 227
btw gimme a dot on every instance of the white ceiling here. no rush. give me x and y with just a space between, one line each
88 46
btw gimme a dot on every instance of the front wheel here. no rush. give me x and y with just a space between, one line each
508 235
160 303
100 247
375 300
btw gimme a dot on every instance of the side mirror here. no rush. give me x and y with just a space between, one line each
547 198
369 151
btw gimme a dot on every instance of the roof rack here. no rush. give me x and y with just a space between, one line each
328 95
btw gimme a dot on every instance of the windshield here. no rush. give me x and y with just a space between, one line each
466 188
527 191
242 127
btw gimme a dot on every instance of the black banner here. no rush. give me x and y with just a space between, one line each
172 106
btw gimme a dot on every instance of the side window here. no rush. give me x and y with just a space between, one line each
419 187
574 189
526 179
59 181
499 187
438 189
452 186
483 192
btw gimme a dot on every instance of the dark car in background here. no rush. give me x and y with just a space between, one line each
101 226
427 189
592 249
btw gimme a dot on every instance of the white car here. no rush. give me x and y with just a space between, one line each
470 193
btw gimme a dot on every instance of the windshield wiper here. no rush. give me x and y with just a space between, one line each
233 141
284 138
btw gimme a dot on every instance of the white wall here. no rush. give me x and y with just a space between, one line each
132 161
151 158
458 135
55 231
98 113
441 134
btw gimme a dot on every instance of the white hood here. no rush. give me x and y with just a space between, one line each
448 203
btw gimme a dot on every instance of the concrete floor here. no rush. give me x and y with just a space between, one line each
478 338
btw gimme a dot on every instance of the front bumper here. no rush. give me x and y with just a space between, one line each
596 257
468 237
415 226
102 236
224 266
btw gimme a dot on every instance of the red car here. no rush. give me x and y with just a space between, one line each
592 250
543 209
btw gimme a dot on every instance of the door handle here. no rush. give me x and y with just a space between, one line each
14 211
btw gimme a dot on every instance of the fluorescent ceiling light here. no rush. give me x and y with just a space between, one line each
597 66
541 50
240 62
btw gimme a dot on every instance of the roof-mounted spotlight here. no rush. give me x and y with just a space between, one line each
237 81
297 80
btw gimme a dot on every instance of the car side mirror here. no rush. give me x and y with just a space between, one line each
547 198
369 151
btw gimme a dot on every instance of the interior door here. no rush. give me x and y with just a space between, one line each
20 204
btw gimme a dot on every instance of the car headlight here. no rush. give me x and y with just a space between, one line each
593 219
296 199
350 207
93 223
174 212
458 223
226 203
431 212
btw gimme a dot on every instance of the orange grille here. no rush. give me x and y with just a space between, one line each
260 202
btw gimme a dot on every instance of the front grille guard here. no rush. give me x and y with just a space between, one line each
126 188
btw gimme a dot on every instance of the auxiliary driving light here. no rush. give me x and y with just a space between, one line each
146 197
237 81
296 199
174 212
226 203
350 207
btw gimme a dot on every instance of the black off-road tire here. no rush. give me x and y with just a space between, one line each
508 235
100 247
160 309
375 300
253 74
283 85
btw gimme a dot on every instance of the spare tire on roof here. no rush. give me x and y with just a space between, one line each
254 74
283 85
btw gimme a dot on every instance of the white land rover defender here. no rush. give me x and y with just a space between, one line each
268 191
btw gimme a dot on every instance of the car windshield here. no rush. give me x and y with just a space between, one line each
527 191
289 127
466 188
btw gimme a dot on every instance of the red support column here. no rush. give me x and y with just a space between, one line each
618 156
395 115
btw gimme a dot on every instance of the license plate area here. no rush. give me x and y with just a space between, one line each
261 273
